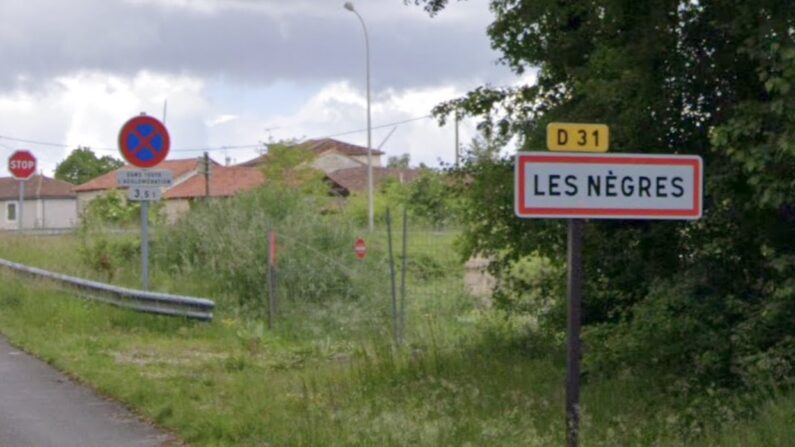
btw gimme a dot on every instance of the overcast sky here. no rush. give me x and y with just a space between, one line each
235 73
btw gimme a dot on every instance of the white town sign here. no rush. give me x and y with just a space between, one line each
608 186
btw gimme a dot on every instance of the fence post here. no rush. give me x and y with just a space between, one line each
271 278
392 277
403 277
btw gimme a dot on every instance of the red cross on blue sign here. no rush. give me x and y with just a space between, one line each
144 141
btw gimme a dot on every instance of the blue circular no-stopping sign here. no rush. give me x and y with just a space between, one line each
144 141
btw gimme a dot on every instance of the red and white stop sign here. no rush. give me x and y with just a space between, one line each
360 248
22 165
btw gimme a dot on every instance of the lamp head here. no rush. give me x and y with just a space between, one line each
349 6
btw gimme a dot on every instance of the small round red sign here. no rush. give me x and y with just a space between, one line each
360 248
22 165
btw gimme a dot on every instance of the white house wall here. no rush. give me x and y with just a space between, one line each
58 213
41 214
331 162
84 198
5 224
363 159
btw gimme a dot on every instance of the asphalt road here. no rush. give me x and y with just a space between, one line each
40 407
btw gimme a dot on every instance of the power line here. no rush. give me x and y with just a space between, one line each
219 148
382 126
212 148
41 143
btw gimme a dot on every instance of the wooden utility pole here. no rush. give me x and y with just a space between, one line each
206 176
457 145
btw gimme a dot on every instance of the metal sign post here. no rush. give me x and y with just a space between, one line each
145 244
573 346
144 186
22 165
21 203
598 186
144 142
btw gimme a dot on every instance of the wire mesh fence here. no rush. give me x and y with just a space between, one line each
399 280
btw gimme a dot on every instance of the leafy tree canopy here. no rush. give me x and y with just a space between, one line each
398 161
710 302
83 165
288 164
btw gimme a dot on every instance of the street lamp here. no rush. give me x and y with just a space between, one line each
349 7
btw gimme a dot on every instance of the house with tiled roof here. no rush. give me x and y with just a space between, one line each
330 155
354 180
48 204
224 181
345 165
181 170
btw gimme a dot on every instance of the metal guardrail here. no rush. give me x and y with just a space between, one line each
142 301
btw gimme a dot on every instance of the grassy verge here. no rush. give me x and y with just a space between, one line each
233 383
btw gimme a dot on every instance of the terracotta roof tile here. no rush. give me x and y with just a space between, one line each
328 144
108 181
355 179
36 187
224 182
320 146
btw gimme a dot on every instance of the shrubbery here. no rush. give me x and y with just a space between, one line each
107 255
228 241
112 209
430 200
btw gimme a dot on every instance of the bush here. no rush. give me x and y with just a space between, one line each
112 209
106 255
227 241
430 200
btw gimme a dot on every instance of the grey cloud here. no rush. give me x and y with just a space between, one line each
42 39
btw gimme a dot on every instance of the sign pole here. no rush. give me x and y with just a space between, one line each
144 142
573 348
21 202
598 186
22 166
145 244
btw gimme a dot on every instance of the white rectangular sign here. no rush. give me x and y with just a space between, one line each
141 177
144 193
608 186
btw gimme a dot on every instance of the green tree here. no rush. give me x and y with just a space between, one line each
709 302
399 161
288 165
432 198
83 165
481 149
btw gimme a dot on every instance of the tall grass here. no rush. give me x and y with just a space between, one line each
227 242
227 384
329 374
474 379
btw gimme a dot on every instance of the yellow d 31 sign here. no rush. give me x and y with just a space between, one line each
578 137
